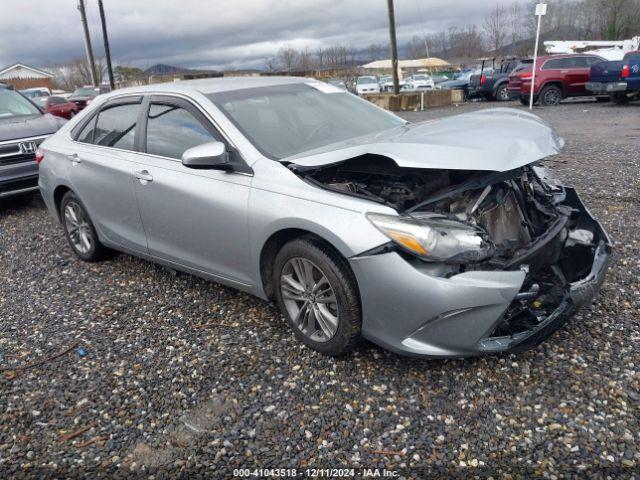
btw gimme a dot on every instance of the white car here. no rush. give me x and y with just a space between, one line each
367 84
420 82
386 83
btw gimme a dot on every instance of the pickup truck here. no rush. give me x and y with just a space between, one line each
619 79
493 80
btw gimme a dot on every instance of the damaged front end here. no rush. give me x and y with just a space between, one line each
518 231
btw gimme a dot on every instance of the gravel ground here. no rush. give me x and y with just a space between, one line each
173 375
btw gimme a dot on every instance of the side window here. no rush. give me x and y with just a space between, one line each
580 62
116 126
171 130
554 64
86 134
592 60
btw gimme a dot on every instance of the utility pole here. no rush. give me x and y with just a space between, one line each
107 52
87 44
394 47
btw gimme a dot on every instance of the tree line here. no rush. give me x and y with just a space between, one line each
505 30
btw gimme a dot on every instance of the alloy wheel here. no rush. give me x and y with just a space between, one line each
503 94
78 227
552 97
309 299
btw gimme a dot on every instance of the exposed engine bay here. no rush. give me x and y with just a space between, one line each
530 221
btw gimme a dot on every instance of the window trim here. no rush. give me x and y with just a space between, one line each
113 102
239 164
179 103
565 68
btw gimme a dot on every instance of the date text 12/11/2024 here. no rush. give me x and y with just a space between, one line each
315 473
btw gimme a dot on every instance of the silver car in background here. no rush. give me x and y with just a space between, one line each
443 238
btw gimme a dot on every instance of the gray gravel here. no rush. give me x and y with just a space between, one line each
178 375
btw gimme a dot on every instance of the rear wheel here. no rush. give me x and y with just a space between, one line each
317 295
550 95
79 230
619 98
525 101
502 94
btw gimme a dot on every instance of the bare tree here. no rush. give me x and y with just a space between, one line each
287 58
304 59
375 52
495 27
320 56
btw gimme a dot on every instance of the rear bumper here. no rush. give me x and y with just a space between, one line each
606 87
409 310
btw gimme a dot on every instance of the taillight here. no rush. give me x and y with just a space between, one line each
39 156
483 80
625 71
526 75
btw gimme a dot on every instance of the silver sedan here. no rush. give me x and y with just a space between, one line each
444 238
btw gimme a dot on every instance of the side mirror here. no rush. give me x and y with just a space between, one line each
212 156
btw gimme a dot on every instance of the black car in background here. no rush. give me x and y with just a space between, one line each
23 127
492 81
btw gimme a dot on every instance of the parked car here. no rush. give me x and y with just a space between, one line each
36 92
492 81
460 83
84 96
557 77
420 81
618 79
386 83
438 238
22 128
367 84
437 79
57 106
338 83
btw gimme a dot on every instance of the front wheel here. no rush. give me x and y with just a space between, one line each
79 230
317 294
502 94
550 96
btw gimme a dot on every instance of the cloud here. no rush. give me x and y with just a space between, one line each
214 33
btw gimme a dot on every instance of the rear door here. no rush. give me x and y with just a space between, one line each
101 171
577 75
196 218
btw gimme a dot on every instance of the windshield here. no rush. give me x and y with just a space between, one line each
285 120
421 77
364 80
85 92
40 101
12 104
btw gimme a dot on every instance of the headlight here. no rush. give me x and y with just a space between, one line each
436 239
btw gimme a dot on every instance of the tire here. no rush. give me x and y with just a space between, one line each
525 101
502 94
83 240
330 327
619 98
550 96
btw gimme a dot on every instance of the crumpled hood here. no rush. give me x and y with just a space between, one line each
498 139
32 126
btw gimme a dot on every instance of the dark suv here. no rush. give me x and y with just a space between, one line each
557 77
23 127
492 81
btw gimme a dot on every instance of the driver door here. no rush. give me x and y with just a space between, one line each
192 217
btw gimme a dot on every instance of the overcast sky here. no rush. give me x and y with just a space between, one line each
215 33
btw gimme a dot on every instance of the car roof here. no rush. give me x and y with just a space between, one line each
208 86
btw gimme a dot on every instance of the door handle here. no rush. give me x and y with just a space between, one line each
144 176
75 159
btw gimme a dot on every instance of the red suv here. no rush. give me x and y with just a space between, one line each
557 77
58 106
